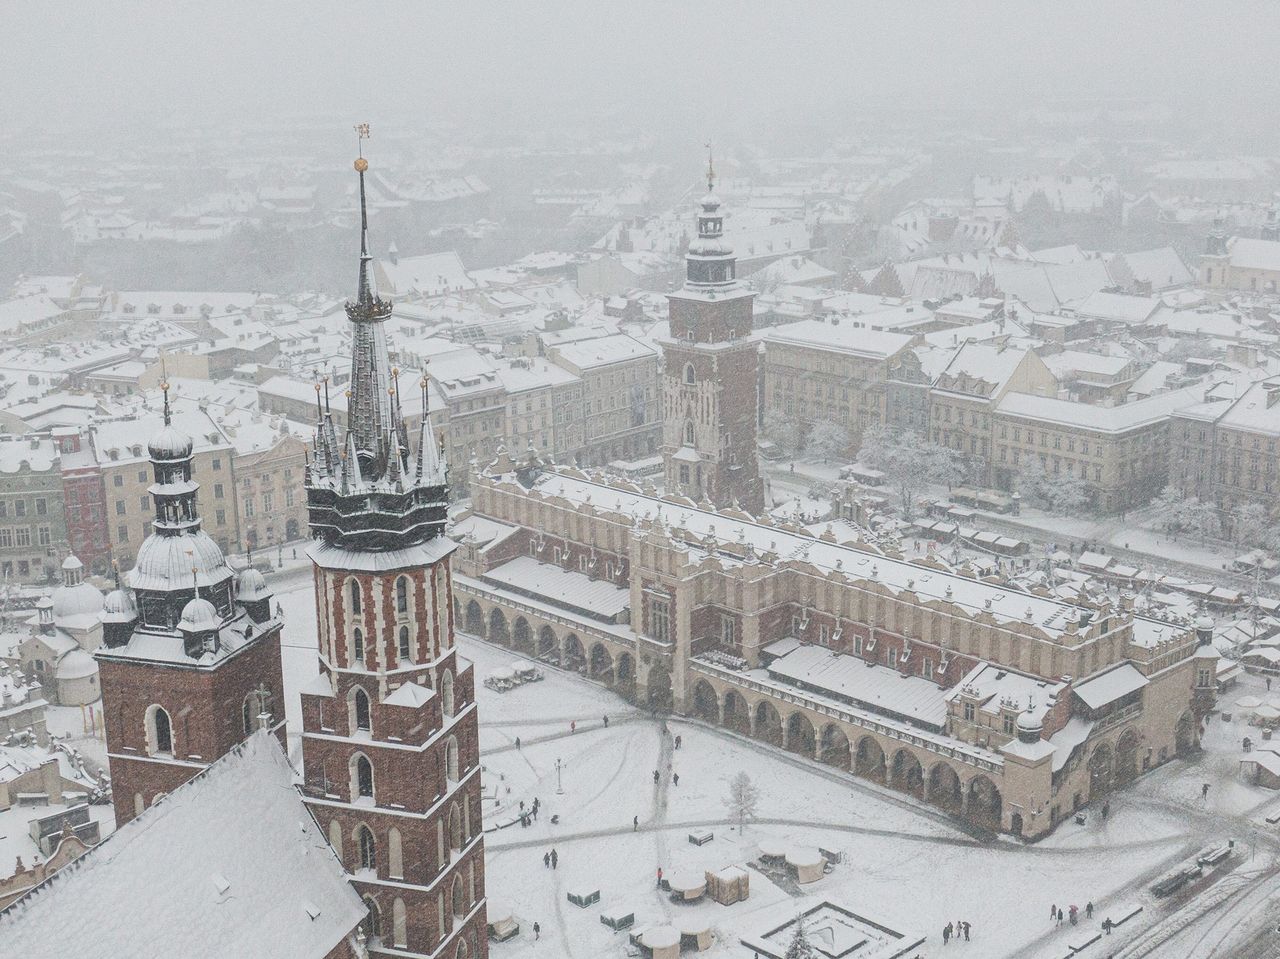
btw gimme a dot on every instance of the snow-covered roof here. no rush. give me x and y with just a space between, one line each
839 335
604 351
1100 419
1119 681
527 576
1250 254
229 865
853 680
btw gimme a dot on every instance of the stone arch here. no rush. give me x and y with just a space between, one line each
372 922
706 705
1127 757
573 658
1015 824
159 730
768 724
1185 734
358 710
498 631
399 924
833 747
944 788
360 771
868 759
451 764
446 693
475 619
736 714
457 898
395 854
801 737
548 646
659 685
522 636
366 847
456 838
625 682
985 806
601 664
1101 769
906 773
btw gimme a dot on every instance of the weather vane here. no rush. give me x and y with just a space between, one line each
362 134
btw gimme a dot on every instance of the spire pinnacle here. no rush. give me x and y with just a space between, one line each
364 290
164 388
711 168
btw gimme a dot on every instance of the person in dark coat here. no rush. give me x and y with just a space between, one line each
635 823
606 721
554 859
1088 909
537 930
546 860
946 934
675 779
966 932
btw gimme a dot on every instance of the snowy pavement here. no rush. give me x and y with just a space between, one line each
898 856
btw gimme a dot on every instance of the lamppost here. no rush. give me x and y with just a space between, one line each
559 787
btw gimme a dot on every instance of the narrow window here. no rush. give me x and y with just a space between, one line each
364 777
357 642
404 642
368 850
362 710
355 597
402 595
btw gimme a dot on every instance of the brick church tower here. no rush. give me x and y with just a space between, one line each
190 661
390 739
709 382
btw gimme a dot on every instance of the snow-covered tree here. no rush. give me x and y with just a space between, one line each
743 799
1056 494
784 432
909 462
1252 525
800 947
827 440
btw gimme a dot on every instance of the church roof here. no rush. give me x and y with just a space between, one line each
230 864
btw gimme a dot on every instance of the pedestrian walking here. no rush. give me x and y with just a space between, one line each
1053 912
517 742
1088 909
678 741
1059 917
537 930
966 932
554 859
546 860
606 720
1106 809
675 779
659 877
1072 915
635 823
1204 791
573 726
655 777
946 934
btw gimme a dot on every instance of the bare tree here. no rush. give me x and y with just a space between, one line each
743 799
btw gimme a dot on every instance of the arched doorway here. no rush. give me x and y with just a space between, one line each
985 806
548 647
574 658
601 665
1185 734
834 747
1101 769
498 632
705 705
768 725
736 715
475 619
906 774
868 759
801 737
659 689
1127 757
944 788
1015 824
523 636
626 682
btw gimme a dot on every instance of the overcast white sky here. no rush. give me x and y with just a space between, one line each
101 60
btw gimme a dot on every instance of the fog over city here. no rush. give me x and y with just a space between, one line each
777 481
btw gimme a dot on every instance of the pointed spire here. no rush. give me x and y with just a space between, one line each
164 389
364 294
711 168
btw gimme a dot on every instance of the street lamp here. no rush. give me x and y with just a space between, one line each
559 787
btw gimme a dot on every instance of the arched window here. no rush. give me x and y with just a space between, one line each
367 848
688 433
404 642
446 693
363 776
455 827
159 731
360 702
399 924
458 898
373 920
354 588
395 854
689 376
402 595
254 706
357 645
335 838
451 758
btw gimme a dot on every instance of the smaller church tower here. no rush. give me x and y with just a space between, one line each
710 374
1215 262
186 672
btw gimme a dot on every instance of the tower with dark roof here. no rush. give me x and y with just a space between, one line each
390 739
710 374
186 672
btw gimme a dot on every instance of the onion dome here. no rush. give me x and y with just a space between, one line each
1204 622
1030 726
170 443
199 616
119 607
251 586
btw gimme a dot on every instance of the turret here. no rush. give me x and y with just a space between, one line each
44 615
199 627
119 618
254 595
